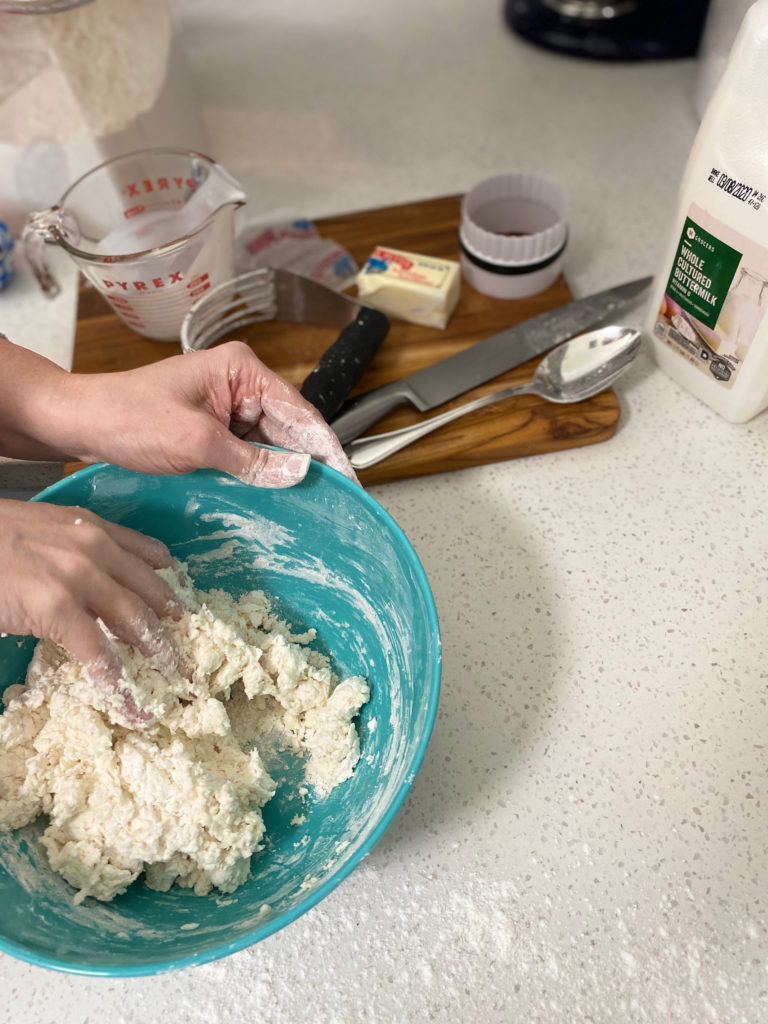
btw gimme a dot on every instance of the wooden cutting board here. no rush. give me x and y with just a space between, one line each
520 426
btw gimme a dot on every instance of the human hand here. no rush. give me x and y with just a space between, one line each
198 411
64 568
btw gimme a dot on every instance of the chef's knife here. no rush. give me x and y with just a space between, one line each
487 359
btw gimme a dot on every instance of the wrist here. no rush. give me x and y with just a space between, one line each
34 397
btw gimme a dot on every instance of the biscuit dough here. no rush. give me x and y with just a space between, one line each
177 790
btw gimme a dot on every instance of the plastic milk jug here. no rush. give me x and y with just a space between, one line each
707 315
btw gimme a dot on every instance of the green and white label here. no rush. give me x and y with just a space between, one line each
702 273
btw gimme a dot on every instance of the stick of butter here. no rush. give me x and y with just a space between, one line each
420 289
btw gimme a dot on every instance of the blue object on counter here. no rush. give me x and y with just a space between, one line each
6 256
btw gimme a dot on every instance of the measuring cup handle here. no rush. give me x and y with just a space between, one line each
34 236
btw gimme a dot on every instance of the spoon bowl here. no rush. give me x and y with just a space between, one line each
572 372
585 365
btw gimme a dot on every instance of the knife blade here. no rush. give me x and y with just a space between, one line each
456 374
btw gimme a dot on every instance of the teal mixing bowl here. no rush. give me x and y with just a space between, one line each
332 558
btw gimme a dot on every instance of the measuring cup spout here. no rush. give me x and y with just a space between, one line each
222 188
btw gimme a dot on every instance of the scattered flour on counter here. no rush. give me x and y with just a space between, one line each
177 790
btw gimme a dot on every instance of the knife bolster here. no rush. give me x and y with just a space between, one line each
361 412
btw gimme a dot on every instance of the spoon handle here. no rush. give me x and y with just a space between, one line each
367 451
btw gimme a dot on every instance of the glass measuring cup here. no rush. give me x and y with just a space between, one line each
151 230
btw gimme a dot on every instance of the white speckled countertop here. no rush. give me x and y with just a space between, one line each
586 840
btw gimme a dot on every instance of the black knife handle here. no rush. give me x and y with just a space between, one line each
343 364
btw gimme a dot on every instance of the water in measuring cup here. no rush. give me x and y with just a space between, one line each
156 226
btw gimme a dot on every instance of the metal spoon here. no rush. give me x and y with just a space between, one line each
575 370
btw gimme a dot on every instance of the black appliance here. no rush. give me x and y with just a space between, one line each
622 30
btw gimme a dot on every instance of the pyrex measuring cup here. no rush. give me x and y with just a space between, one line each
152 231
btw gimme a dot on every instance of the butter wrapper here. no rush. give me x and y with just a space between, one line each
420 289
298 246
